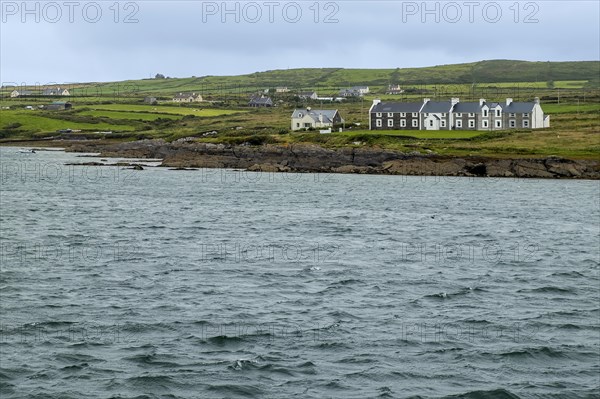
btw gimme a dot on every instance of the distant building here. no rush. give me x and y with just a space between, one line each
454 115
260 102
356 91
56 91
187 98
315 118
394 89
150 100
308 95
282 90
58 106
20 93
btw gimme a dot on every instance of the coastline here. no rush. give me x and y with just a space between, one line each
315 159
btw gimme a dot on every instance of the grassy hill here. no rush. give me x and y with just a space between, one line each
331 79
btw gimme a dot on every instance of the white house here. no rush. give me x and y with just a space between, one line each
20 93
187 98
315 118
55 91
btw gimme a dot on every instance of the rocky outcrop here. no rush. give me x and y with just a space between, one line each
313 158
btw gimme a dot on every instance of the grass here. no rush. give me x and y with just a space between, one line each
141 116
421 134
162 109
37 122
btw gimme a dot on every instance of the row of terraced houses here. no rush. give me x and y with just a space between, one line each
456 115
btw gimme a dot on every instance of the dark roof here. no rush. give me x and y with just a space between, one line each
397 107
519 107
437 106
261 100
470 107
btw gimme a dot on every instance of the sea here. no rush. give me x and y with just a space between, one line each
219 283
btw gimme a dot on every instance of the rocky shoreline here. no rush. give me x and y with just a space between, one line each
313 158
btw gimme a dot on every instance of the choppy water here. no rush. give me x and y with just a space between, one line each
224 284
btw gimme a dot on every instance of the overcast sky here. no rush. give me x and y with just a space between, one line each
79 41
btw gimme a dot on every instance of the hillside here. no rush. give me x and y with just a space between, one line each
497 71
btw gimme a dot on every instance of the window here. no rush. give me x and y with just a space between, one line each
512 123
300 115
402 114
498 124
459 123
471 123
525 123
458 115
498 112
390 123
390 114
512 114
378 115
378 123
471 115
430 123
525 115
425 114
485 113
415 114
484 123
415 123
307 125
443 123
402 122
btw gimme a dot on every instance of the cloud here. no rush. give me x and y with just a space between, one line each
199 38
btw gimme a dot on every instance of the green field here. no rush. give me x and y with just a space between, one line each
142 116
35 122
162 109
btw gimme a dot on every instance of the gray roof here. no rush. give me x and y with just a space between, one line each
52 91
470 107
397 107
261 100
328 114
437 106
25 92
518 107
185 95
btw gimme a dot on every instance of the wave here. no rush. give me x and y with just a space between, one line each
491 394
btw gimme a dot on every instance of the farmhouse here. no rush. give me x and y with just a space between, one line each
187 98
454 115
282 90
394 90
260 102
315 118
20 93
58 106
356 91
308 95
57 91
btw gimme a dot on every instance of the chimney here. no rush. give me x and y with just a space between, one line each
426 100
321 118
376 101
454 101
536 100
509 101
308 109
481 101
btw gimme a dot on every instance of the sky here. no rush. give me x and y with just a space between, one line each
44 42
